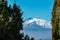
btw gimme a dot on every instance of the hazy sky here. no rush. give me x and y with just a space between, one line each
35 8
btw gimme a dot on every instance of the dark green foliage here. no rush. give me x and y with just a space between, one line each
10 22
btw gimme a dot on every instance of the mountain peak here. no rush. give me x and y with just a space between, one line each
38 21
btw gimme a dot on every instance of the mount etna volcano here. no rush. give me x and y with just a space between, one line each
38 28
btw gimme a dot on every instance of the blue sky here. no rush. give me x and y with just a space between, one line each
35 8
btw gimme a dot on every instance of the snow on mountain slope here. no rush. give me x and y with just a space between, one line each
40 22
38 28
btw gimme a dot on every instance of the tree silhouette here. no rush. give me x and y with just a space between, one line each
26 37
10 22
32 38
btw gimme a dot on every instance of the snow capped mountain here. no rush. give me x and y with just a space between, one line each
38 28
40 22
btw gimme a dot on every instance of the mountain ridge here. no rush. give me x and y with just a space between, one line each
38 21
34 28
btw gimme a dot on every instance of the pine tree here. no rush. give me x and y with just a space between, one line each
3 19
17 22
10 22
26 37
